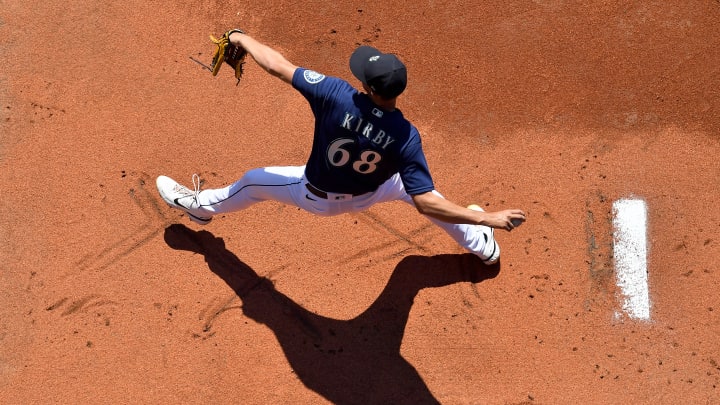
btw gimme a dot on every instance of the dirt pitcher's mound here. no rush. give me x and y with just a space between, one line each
557 108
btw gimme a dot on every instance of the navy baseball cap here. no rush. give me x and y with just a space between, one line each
384 73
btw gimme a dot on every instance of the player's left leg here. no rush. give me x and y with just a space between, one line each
178 196
479 240
281 184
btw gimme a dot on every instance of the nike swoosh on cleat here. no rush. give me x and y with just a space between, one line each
177 202
187 210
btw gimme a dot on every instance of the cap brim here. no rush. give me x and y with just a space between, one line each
359 58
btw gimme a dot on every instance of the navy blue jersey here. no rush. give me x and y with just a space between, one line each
357 146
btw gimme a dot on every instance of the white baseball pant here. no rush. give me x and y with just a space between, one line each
287 184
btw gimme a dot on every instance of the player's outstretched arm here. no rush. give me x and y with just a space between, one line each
269 59
433 205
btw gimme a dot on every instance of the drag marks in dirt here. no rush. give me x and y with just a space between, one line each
216 307
79 311
152 225
83 304
93 309
401 238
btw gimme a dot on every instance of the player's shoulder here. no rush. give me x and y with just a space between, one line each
310 76
307 77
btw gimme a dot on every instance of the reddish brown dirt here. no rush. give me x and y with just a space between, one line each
555 107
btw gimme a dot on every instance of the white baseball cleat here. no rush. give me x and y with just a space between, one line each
491 252
181 197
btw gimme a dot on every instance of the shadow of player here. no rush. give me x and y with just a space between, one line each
354 361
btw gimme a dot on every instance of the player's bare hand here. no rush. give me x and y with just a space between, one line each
507 219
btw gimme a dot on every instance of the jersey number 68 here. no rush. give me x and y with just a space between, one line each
339 155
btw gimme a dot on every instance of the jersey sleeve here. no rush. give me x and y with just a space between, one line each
415 173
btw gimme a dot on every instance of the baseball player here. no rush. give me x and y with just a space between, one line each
364 152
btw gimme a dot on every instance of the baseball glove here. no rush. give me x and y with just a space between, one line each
228 53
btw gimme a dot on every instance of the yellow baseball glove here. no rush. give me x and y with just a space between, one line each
228 53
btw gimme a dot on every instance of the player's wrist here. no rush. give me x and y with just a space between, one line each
234 36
